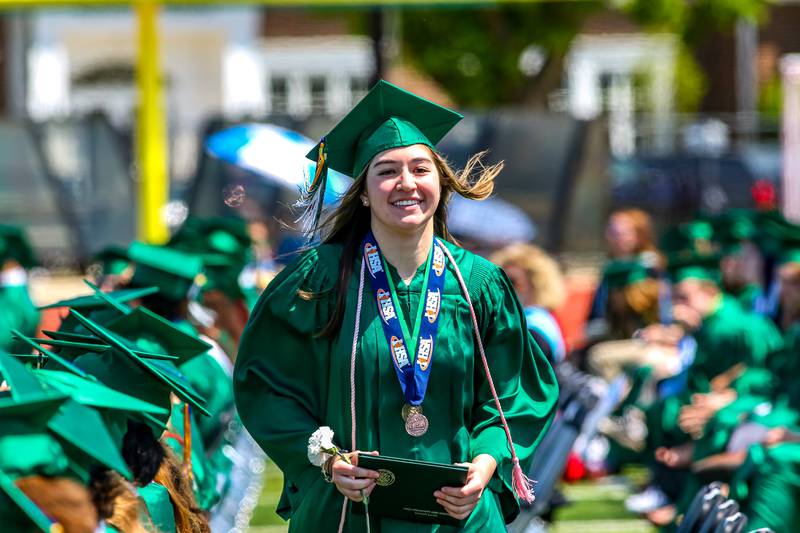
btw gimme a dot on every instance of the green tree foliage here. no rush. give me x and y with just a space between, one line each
475 52
693 20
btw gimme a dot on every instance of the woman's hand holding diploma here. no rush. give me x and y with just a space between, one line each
460 502
350 480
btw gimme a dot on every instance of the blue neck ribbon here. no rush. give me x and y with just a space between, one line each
413 368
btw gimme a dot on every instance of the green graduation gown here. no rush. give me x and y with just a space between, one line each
288 382
768 487
728 336
159 506
767 396
17 311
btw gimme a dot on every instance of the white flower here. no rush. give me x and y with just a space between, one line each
320 446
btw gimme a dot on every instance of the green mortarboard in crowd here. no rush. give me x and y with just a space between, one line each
149 330
147 379
222 274
172 271
215 235
92 301
60 359
92 393
113 260
387 117
72 345
115 406
80 430
146 329
777 234
623 273
792 255
14 245
736 225
703 267
694 237
18 512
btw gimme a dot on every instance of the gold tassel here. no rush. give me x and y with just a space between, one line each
187 440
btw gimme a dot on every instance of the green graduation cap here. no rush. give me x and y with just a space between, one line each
689 238
92 302
623 273
15 246
172 271
71 345
63 360
387 117
146 379
215 235
792 255
776 233
704 267
222 274
92 393
148 330
79 429
113 260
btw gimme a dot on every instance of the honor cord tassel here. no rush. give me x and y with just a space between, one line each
353 383
522 485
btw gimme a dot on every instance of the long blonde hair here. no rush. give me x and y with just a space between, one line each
66 501
118 503
542 271
189 518
348 224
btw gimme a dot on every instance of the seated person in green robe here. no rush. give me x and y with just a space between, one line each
630 238
17 311
732 350
316 352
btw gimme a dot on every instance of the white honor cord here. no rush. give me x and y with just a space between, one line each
353 384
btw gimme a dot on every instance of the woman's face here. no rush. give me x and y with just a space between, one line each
621 236
402 188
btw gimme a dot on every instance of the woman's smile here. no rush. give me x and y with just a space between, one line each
402 188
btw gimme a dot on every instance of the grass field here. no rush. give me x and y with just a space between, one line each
596 507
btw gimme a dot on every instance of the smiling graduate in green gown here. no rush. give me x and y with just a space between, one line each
293 371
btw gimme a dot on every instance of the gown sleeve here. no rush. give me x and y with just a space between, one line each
524 380
281 373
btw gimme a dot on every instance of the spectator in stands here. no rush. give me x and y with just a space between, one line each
633 305
629 237
540 287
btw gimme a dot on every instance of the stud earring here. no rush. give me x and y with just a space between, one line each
364 201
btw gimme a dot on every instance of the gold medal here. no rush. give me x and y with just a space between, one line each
416 422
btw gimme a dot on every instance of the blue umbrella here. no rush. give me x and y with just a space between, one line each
492 221
276 154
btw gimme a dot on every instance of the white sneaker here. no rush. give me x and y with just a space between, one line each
648 500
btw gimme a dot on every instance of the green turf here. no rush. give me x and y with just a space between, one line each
264 514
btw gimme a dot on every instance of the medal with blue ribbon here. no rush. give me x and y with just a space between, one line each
412 367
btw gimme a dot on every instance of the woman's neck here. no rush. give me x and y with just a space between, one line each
405 251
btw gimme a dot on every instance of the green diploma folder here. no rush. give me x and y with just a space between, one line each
405 489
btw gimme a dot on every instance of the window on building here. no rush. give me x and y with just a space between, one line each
279 95
319 95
